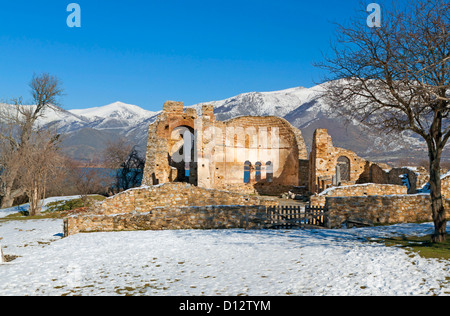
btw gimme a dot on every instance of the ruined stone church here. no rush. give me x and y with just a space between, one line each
202 173
249 154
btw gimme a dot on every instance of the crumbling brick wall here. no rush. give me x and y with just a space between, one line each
373 173
324 158
221 150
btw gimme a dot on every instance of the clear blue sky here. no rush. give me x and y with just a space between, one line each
145 52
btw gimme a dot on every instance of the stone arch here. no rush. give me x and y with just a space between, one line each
258 168
247 171
181 152
269 171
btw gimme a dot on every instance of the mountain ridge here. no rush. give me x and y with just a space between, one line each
303 107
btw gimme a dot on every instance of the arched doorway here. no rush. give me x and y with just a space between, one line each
181 156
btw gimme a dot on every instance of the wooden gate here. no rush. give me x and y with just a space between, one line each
292 216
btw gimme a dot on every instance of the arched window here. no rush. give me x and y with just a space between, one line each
344 168
258 171
247 141
269 171
247 168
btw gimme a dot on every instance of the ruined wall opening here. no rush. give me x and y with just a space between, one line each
247 171
343 167
258 167
269 172
181 155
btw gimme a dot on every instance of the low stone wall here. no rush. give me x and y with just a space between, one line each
168 218
144 199
368 189
445 184
170 206
390 209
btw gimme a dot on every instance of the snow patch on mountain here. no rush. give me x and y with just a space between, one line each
117 110
274 103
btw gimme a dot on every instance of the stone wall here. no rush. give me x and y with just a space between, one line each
445 185
164 141
323 160
260 140
170 206
368 189
373 173
144 199
221 149
391 209
327 162
167 218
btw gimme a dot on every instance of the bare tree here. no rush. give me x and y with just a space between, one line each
42 163
10 154
17 123
396 78
88 179
125 160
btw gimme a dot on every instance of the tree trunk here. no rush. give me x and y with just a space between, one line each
10 196
437 206
7 200
34 202
9 193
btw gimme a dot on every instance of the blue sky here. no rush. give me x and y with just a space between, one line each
147 52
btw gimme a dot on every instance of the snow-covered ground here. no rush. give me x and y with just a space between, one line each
216 262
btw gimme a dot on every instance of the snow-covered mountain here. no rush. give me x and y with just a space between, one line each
116 115
113 113
279 103
87 131
306 109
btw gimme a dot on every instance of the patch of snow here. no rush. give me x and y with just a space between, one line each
445 175
24 208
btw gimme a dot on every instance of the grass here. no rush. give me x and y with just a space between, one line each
421 245
61 206
57 209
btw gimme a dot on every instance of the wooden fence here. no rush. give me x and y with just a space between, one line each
292 216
